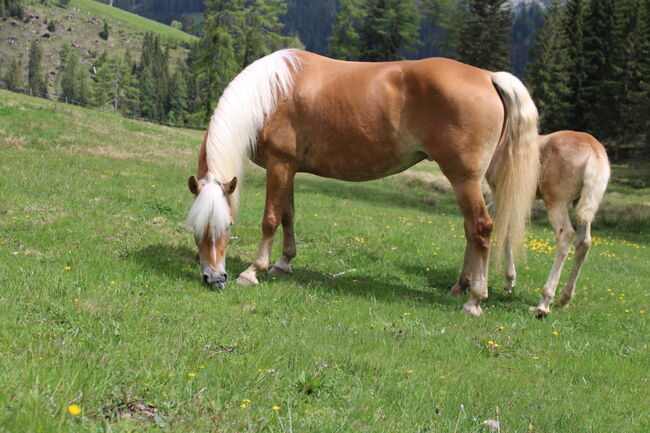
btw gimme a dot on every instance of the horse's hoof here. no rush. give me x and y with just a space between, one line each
457 290
279 270
508 290
472 310
244 280
542 312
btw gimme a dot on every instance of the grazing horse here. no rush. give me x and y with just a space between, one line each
294 111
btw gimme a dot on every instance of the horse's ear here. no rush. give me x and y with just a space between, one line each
229 187
194 186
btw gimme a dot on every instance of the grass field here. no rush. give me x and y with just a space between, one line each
103 313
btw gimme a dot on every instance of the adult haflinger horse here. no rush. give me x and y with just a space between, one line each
294 111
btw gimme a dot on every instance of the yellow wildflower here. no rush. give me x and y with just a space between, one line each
408 371
74 410
191 374
556 333
276 408
67 268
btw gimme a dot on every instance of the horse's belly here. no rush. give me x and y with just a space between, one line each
359 161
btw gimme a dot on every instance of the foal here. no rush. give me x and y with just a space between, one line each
574 170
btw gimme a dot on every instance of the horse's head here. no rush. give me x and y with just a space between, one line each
210 219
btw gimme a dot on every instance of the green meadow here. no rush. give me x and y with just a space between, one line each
105 325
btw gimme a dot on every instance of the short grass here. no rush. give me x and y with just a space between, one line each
101 10
101 304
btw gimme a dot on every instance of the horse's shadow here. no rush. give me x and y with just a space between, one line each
180 262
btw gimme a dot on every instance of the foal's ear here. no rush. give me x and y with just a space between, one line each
229 187
193 184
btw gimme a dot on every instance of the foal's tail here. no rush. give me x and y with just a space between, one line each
516 163
595 179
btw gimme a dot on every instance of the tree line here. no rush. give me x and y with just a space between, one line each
588 68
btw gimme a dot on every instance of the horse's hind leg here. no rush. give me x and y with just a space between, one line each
511 272
559 218
583 244
282 266
478 228
279 181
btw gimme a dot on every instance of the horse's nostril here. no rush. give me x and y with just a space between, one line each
225 276
205 278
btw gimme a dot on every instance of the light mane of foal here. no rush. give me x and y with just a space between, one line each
294 111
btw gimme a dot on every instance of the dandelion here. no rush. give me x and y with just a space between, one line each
74 410
496 345
501 328
67 268
191 374
276 408
246 400
536 358
201 366
490 343
113 283
243 406
556 333
408 371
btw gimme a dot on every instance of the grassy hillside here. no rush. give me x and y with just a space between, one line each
103 314
79 25
100 10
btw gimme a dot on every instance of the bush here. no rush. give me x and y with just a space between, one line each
104 33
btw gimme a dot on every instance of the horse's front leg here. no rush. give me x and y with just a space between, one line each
283 265
279 182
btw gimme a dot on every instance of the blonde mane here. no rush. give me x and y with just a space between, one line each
240 114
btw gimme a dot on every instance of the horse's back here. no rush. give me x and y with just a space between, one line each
375 119
565 157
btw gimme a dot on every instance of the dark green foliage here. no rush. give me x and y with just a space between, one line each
154 79
485 36
235 33
528 19
375 30
104 34
178 95
390 29
344 42
441 24
51 26
64 3
115 85
13 77
548 73
35 81
574 29
12 8
73 79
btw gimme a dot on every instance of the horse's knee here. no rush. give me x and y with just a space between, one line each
270 224
482 231
583 244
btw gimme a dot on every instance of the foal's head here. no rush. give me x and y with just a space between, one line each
210 219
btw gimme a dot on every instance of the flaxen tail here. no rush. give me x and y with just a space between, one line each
516 163
595 179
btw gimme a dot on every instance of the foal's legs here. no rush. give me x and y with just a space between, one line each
583 243
279 181
559 218
282 266
478 228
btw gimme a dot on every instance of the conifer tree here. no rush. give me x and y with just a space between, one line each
548 73
574 29
13 77
601 80
344 40
485 36
178 95
389 29
36 83
445 18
